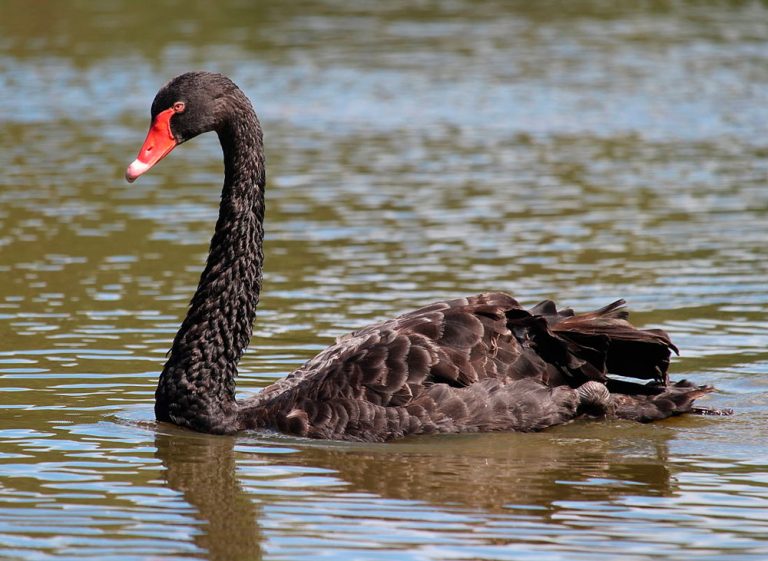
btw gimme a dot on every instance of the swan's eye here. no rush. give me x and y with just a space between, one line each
179 106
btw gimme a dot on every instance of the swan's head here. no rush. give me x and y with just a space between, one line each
188 105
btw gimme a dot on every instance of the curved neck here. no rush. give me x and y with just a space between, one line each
197 385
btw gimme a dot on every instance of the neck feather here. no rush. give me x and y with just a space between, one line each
197 385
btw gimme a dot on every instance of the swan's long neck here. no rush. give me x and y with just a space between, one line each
197 385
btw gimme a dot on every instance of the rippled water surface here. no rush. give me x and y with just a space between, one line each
581 151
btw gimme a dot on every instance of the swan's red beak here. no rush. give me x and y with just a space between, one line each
159 143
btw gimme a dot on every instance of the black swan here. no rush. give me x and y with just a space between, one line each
480 363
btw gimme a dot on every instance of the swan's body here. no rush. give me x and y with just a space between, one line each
479 363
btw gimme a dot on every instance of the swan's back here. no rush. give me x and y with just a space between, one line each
472 364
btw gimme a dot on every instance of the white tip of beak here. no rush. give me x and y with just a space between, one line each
135 170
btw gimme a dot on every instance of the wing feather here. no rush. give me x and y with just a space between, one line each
481 361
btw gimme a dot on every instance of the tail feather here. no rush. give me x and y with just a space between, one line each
586 348
670 401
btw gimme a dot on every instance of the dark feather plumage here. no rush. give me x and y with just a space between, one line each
480 363
486 364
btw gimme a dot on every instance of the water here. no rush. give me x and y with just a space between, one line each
583 151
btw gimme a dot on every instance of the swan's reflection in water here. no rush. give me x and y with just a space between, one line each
203 470
500 471
497 475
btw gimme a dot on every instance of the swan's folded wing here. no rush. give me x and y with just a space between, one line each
382 380
622 348
456 342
